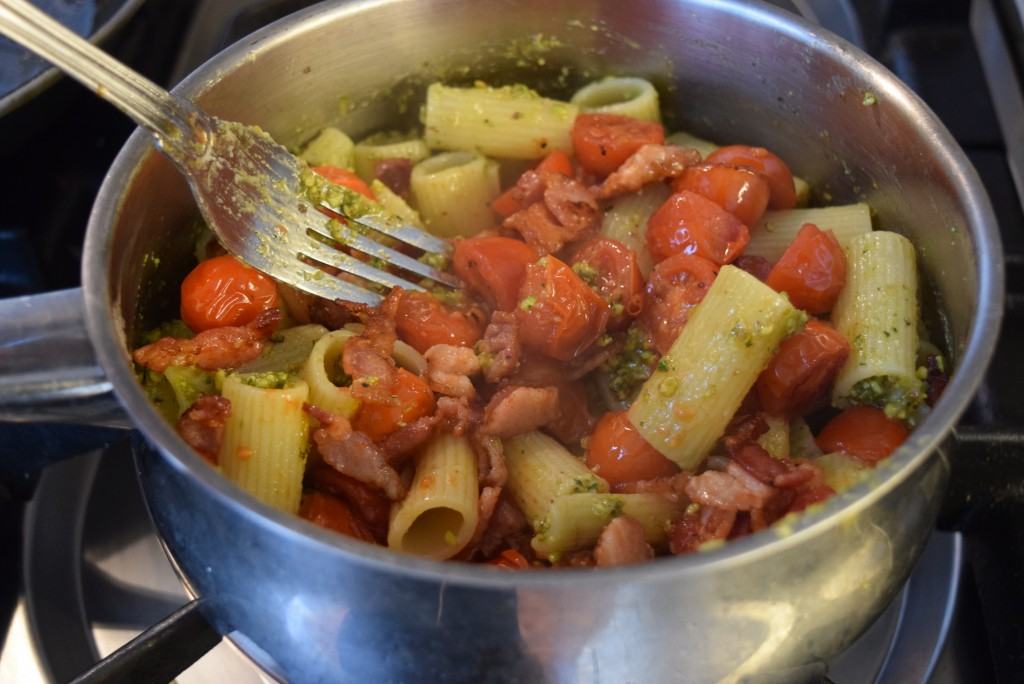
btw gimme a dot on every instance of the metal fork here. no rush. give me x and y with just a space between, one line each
261 201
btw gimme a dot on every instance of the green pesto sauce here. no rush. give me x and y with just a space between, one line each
899 398
630 368
608 507
268 380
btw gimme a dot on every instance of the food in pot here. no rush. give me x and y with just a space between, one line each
655 349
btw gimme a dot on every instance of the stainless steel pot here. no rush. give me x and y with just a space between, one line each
314 606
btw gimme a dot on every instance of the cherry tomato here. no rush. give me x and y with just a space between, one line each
510 559
494 267
757 266
411 398
611 268
422 321
619 453
223 291
773 169
369 503
512 200
676 285
799 377
688 223
345 178
603 141
863 432
812 270
558 314
332 513
741 192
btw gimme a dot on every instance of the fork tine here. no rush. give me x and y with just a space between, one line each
316 282
375 249
333 257
410 235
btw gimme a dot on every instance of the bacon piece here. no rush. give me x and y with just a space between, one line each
743 429
394 172
622 542
672 487
514 410
372 506
406 440
572 205
456 415
486 504
202 425
507 528
501 344
723 490
538 227
449 368
330 314
529 188
490 459
225 347
574 421
695 529
757 266
352 453
367 357
936 380
332 513
649 164
753 458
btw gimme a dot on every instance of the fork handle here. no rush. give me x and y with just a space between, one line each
145 102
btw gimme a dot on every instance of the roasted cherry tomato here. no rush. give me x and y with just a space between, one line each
494 267
812 270
741 192
799 377
758 159
676 285
511 201
863 432
558 314
332 513
223 291
757 266
618 452
611 268
688 223
422 321
603 141
345 178
510 559
411 398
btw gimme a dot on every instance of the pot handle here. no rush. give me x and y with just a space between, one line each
48 370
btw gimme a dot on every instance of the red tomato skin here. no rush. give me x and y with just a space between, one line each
774 170
741 192
510 559
688 223
494 267
618 279
345 178
223 291
332 513
558 314
603 141
422 321
812 270
676 285
411 398
618 452
799 377
863 432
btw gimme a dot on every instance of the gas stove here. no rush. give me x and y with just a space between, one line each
84 571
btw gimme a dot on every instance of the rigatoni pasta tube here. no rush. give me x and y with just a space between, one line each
877 312
454 191
575 521
625 96
685 406
770 236
512 122
394 205
330 147
626 221
265 440
682 139
322 372
436 519
540 470
387 146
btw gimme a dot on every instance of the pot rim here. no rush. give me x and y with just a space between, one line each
923 441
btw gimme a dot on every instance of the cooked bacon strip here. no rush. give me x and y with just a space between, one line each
406 440
226 347
506 528
514 410
725 491
449 368
332 315
572 205
698 528
486 504
622 542
395 173
538 227
372 506
352 453
202 425
457 416
490 459
529 188
672 487
367 357
502 347
649 164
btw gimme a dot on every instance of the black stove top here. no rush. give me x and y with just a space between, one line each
93 575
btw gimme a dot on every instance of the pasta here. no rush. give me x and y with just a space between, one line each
633 97
631 366
438 516
877 312
730 337
264 448
454 190
511 122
